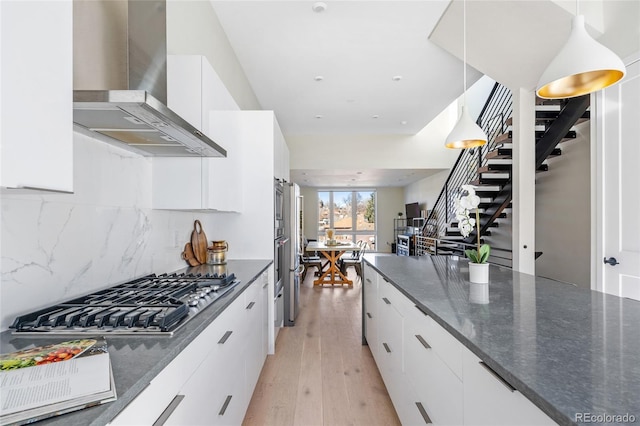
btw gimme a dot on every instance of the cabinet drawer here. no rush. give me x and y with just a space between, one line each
213 395
489 400
436 387
389 349
147 407
371 332
442 343
390 296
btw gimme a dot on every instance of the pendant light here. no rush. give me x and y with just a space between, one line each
582 66
466 133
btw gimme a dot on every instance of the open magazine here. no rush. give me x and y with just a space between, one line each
50 380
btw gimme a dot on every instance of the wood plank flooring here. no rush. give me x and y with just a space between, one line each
321 374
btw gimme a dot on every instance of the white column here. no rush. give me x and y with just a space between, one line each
524 174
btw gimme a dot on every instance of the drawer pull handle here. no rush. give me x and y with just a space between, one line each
169 410
250 305
497 376
421 311
424 342
423 412
37 188
224 338
386 348
369 315
368 280
386 300
385 279
225 405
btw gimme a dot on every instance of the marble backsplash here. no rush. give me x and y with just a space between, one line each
59 246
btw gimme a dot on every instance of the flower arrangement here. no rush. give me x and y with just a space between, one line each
466 223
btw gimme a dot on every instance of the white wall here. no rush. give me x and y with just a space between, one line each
426 191
563 219
388 203
193 28
425 150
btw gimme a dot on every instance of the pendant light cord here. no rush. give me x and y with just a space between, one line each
464 51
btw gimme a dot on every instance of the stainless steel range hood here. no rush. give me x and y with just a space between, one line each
120 80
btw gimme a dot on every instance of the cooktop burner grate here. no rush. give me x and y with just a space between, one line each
149 305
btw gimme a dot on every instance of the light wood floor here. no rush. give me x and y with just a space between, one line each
321 374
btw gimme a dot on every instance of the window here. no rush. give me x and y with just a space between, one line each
352 214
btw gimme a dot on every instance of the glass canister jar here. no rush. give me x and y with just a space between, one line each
217 253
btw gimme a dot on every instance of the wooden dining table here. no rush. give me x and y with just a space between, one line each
332 275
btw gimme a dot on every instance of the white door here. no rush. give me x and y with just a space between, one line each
618 185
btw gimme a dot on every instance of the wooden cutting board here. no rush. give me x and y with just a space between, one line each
199 242
189 256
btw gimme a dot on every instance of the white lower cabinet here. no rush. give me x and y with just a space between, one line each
370 310
211 381
489 400
437 389
430 376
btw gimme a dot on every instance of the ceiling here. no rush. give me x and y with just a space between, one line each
365 178
390 67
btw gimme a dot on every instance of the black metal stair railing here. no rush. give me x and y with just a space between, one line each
492 120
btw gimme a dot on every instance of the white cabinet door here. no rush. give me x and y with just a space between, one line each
195 92
224 176
281 154
489 400
371 310
36 124
390 347
437 389
184 87
255 355
177 183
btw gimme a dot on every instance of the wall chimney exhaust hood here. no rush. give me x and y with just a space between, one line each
120 80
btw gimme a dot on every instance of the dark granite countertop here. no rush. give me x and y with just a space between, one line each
568 350
136 360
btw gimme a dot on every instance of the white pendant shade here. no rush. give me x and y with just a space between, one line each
582 66
466 133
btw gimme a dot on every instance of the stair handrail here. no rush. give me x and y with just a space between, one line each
492 120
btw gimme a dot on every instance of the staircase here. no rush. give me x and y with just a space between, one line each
489 168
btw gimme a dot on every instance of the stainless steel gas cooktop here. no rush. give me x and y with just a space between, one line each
151 305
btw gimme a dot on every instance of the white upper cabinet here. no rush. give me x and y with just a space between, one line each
255 145
281 155
36 124
196 93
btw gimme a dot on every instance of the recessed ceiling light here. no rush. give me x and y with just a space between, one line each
403 122
375 116
319 116
351 100
319 7
396 78
318 78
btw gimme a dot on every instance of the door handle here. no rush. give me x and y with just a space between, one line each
611 261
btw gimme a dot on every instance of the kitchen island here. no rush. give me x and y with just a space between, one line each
138 360
573 353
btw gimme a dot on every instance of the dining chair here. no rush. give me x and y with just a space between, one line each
356 261
308 261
